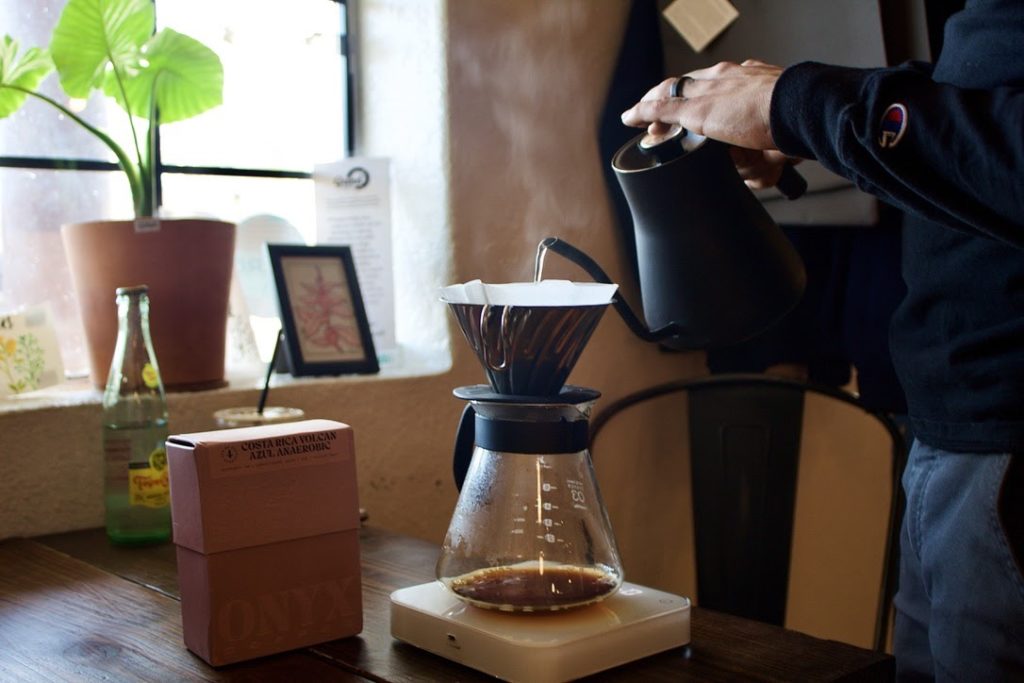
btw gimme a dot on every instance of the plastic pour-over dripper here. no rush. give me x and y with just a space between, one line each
528 335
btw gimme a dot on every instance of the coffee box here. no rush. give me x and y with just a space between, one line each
266 524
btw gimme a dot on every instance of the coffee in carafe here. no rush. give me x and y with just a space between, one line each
525 587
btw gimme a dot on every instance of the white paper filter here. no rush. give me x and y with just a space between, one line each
543 293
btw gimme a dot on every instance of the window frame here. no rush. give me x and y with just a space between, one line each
77 164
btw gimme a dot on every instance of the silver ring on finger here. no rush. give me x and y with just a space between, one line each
678 86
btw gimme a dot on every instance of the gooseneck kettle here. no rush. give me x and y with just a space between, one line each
714 267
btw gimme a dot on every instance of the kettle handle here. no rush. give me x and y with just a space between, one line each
791 183
566 250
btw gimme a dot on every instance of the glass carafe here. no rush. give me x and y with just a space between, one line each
530 531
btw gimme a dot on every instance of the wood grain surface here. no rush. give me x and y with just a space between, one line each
75 608
62 619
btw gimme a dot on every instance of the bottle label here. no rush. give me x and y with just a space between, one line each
150 376
148 483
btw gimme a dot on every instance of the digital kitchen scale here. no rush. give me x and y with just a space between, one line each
540 647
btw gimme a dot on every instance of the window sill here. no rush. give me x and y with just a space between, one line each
407 363
50 441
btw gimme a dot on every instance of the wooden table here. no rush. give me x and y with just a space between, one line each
72 607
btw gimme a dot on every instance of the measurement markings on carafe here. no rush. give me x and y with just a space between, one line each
547 524
518 522
549 527
579 501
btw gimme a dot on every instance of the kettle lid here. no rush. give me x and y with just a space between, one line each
650 150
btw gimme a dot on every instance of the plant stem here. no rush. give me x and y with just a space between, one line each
143 205
130 170
148 171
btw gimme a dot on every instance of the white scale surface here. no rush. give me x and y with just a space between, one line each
550 647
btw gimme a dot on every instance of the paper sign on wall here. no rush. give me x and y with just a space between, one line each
700 21
353 207
29 351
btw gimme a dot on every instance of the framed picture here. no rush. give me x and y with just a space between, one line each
322 314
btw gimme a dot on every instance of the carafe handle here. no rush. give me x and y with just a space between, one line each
465 442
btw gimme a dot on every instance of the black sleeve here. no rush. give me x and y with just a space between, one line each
959 162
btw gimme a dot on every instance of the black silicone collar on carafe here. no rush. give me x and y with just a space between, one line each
517 436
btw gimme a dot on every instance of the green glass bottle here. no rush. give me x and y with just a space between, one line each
136 490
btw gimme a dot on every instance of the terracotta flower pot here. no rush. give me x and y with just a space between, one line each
187 265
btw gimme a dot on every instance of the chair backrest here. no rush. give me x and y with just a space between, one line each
745 453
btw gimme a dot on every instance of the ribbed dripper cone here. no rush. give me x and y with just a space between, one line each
527 350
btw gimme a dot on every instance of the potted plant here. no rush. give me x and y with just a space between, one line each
157 78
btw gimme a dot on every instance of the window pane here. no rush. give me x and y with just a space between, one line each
284 96
33 270
38 129
283 84
235 199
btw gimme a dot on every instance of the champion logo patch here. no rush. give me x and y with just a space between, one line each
894 125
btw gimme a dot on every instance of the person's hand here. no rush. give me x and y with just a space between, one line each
727 102
760 168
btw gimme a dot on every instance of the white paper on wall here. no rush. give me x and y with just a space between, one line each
700 21
353 207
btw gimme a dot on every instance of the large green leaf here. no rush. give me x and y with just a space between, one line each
188 76
20 71
91 34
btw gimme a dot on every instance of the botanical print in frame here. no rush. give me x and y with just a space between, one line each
322 313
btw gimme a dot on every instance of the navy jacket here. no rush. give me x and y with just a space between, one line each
952 156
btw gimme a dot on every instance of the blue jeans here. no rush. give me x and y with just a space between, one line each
960 605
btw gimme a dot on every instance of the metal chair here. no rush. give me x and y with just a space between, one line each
745 452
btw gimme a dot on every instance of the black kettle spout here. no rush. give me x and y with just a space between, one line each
590 266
